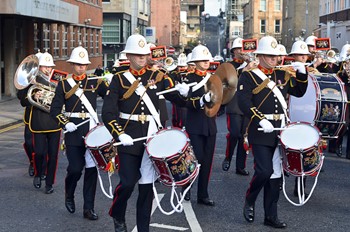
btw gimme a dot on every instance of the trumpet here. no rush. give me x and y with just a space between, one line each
169 64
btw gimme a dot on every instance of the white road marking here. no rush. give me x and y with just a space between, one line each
168 227
191 217
189 213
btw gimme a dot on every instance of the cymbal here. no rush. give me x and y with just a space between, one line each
229 78
214 85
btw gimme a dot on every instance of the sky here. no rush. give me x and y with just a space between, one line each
212 6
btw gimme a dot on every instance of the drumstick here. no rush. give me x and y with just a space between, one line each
135 140
80 124
275 129
290 65
173 89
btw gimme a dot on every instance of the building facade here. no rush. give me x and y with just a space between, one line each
335 22
56 26
261 18
300 20
121 18
165 17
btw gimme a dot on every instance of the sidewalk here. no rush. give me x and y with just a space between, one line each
11 112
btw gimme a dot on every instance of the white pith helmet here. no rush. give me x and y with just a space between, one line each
299 47
122 56
344 52
182 60
237 43
201 53
310 41
267 45
137 44
282 49
38 54
189 57
79 56
46 60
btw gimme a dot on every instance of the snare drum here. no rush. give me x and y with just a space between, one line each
100 144
323 104
173 157
301 149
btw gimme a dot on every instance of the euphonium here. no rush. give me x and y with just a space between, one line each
28 73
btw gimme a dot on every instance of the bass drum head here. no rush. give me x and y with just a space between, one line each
303 109
167 143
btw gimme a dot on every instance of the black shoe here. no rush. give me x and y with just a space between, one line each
37 182
274 222
248 212
90 214
242 172
339 151
70 204
188 196
43 177
206 201
119 226
48 189
31 170
226 164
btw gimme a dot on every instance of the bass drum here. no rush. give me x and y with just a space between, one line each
324 104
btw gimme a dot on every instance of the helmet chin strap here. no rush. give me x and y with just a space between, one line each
267 64
134 64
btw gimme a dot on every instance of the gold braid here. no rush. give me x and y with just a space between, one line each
261 86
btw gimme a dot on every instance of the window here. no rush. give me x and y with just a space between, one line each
277 5
277 26
347 4
126 29
97 38
111 30
262 5
46 37
64 40
80 39
56 41
86 36
262 26
72 38
236 32
106 1
36 37
91 41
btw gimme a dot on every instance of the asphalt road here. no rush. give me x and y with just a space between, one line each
24 208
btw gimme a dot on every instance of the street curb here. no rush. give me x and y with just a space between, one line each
10 124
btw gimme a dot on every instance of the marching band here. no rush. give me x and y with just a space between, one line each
260 102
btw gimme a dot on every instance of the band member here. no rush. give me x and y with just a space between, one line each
191 66
265 105
179 74
201 128
46 133
236 122
78 95
283 53
130 110
344 75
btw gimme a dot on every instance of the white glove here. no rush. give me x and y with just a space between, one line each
70 127
206 98
266 125
108 77
300 67
183 89
126 139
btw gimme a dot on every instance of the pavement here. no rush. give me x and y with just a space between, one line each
11 112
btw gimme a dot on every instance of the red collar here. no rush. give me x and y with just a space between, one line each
79 78
238 60
138 72
265 70
200 73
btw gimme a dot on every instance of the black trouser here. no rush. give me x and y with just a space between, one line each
236 125
179 115
76 164
46 145
263 168
129 174
203 147
28 143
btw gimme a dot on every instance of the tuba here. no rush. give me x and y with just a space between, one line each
28 73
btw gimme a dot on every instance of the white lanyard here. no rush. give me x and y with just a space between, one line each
201 83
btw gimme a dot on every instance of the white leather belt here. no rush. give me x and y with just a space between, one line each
135 117
275 117
77 115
